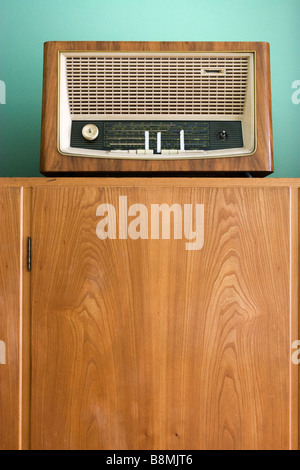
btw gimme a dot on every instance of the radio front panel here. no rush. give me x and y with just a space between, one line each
176 97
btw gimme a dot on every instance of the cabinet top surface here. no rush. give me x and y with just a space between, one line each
147 181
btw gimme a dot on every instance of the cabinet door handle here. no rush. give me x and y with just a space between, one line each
28 254
2 352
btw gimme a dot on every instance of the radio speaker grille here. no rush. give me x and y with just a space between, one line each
151 85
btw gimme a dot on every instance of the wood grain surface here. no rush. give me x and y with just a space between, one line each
53 163
10 318
186 182
141 344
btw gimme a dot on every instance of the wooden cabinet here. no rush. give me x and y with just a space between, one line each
139 340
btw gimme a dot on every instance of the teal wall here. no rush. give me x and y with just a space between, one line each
26 24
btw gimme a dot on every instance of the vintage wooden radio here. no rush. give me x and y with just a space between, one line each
180 108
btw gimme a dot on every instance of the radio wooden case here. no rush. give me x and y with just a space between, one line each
156 108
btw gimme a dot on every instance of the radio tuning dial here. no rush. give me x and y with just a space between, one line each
90 132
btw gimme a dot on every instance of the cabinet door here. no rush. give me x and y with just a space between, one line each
144 344
10 319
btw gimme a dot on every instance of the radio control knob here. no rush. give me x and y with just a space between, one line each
90 132
222 136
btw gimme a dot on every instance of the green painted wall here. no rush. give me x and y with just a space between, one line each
26 24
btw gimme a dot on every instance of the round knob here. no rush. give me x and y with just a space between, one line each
90 132
222 136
